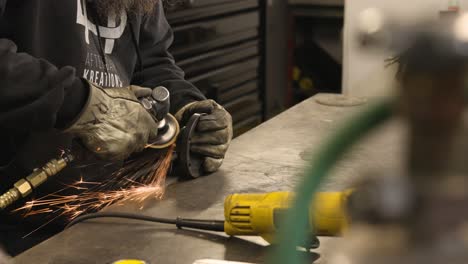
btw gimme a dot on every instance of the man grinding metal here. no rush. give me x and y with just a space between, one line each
63 61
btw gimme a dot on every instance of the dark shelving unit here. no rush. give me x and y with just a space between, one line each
219 45
317 48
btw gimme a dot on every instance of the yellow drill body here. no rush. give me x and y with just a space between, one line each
258 214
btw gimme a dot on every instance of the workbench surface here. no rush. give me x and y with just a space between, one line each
269 158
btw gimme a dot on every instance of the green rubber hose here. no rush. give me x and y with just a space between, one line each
293 231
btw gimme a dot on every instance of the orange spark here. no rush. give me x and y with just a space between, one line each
96 196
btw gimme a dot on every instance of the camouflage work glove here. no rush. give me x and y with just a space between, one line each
113 124
213 133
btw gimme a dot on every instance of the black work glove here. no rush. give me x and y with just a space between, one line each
213 133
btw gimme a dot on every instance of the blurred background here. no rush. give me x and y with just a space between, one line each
261 57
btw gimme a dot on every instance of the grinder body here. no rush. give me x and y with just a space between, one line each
158 105
260 214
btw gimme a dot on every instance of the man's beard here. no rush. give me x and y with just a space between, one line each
141 7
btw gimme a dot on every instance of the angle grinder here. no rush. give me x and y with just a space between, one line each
188 165
158 106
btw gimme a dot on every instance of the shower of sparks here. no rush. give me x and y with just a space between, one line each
138 180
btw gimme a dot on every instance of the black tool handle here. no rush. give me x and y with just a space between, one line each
162 97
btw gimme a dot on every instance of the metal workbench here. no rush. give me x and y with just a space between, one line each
268 158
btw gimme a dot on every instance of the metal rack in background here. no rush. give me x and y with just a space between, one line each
218 45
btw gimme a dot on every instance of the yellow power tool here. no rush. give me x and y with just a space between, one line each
259 214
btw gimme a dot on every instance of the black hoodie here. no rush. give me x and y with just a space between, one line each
47 48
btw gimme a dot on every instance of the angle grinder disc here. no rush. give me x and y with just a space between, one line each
170 135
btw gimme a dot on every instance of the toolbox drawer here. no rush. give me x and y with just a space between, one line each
229 71
252 110
243 77
238 106
218 58
217 44
226 77
204 36
186 4
200 9
237 92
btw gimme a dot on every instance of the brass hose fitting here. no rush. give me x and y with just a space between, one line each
25 186
9 198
